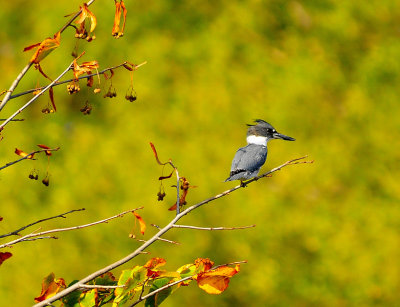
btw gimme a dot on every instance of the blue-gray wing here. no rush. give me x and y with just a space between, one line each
248 161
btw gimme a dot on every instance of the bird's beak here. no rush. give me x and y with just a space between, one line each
277 135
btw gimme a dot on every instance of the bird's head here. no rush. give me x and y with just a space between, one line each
261 132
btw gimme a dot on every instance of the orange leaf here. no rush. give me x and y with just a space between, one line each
172 208
85 67
125 12
21 153
86 13
117 18
119 7
216 281
155 263
50 287
48 152
203 264
44 48
141 223
4 257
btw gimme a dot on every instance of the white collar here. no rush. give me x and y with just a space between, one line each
257 140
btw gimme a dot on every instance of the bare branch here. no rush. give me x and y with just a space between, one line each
13 120
33 235
28 156
16 232
212 228
100 287
156 237
35 97
40 238
169 241
79 78
26 68
161 239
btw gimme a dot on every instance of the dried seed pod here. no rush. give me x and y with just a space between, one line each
45 181
161 196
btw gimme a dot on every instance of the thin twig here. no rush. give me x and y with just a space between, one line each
179 281
212 228
100 286
178 199
35 97
26 68
161 239
143 286
40 238
155 238
13 120
28 156
79 78
169 241
16 232
32 235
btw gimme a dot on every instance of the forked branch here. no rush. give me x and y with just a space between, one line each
41 234
28 156
26 68
16 232
159 234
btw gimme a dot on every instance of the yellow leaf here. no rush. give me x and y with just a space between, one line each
216 281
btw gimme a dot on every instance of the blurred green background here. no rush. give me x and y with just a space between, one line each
324 72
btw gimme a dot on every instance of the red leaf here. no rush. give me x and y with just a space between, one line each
31 47
155 154
51 94
48 152
42 72
4 257
165 177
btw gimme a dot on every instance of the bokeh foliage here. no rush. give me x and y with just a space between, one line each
324 72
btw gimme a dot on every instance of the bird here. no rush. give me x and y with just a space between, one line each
248 160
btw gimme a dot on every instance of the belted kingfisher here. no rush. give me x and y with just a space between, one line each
248 160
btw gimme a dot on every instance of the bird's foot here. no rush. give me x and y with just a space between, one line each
243 184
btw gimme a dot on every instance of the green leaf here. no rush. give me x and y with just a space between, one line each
158 298
88 299
187 270
106 279
72 299
131 279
